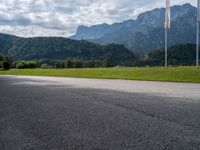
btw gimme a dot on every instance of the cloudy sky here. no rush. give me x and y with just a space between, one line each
62 17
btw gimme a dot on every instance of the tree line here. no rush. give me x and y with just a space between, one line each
49 64
178 55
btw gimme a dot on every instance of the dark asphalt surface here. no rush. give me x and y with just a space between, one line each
58 117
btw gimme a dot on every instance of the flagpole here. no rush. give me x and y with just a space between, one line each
197 49
166 48
167 26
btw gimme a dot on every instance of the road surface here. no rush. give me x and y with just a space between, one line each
46 113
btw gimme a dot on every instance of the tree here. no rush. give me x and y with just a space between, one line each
77 64
106 63
5 62
6 65
69 64
1 58
89 64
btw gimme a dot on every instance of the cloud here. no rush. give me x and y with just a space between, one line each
62 17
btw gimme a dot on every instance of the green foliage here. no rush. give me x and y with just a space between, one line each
66 53
59 64
1 58
6 65
106 63
56 48
46 66
69 64
90 64
5 62
26 64
77 64
178 55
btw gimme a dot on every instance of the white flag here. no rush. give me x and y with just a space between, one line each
167 15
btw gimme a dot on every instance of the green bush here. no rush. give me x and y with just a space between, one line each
46 66
77 64
106 63
6 65
26 64
69 64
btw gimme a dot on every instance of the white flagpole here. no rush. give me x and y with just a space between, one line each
166 48
167 26
198 19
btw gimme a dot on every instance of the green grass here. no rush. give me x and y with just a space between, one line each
174 74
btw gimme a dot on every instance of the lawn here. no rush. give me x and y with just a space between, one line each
174 74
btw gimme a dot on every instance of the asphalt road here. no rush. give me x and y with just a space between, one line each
43 113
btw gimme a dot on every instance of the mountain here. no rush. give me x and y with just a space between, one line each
147 31
57 48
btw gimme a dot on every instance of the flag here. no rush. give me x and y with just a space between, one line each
167 15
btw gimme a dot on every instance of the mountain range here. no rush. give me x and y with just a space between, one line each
147 31
50 49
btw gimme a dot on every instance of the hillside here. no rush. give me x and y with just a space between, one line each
147 31
58 48
178 55
6 42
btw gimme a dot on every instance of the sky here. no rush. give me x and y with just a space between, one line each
29 18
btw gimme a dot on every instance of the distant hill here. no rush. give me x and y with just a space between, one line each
6 42
147 31
179 54
58 48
